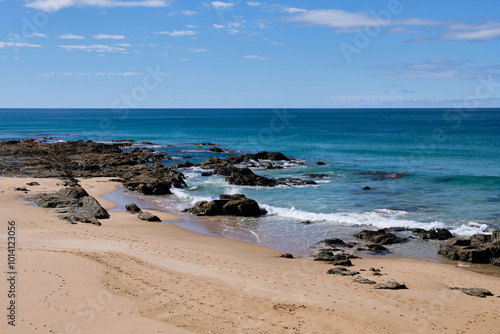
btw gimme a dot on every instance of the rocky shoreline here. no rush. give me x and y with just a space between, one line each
144 170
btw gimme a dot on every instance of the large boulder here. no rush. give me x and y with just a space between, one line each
227 205
380 237
479 248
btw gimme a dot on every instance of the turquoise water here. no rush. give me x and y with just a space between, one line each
452 160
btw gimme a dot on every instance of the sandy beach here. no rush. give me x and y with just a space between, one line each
131 276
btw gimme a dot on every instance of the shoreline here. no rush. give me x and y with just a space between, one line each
166 278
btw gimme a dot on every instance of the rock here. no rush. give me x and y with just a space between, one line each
342 272
148 216
480 248
495 261
320 163
228 205
33 184
433 234
91 207
379 237
362 280
187 157
335 242
290 181
185 164
344 263
325 256
287 256
367 188
216 149
476 292
307 222
77 204
132 207
21 189
392 285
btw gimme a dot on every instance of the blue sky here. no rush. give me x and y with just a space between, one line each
249 54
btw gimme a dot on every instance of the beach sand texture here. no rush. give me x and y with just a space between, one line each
131 276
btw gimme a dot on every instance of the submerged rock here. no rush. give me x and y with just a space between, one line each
380 176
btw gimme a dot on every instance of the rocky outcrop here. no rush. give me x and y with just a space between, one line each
228 205
433 234
480 248
342 272
185 164
380 237
74 204
32 158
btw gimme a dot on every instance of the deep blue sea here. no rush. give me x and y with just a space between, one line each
452 159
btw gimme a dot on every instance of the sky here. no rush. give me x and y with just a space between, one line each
249 54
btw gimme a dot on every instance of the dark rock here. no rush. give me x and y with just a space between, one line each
290 181
287 256
207 173
187 157
344 263
228 205
325 256
476 292
362 280
495 261
148 216
379 237
132 207
479 248
216 149
367 188
185 164
33 184
21 189
336 242
91 207
434 234
320 163
342 272
392 285
307 222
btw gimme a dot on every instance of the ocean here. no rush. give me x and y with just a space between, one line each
450 161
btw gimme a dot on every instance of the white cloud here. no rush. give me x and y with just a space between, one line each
177 33
191 26
125 45
18 45
334 18
219 26
293 10
185 59
104 36
198 50
473 32
255 4
255 57
222 5
71 36
94 48
188 12
55 5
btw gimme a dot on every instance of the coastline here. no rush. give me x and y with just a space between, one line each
128 275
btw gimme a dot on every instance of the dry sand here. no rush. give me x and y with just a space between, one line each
130 276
